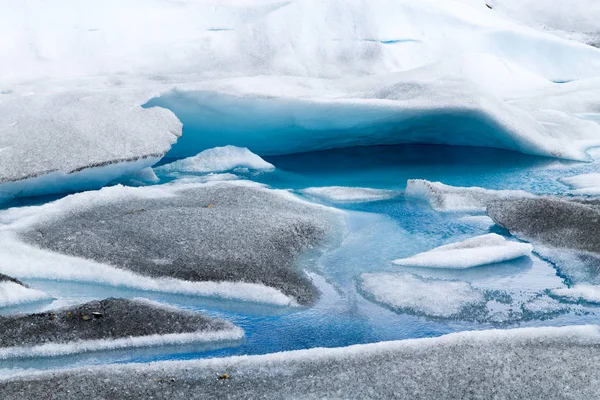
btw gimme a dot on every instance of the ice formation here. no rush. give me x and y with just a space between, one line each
14 292
341 194
219 159
108 324
431 297
586 184
234 240
278 78
453 366
443 197
473 252
581 291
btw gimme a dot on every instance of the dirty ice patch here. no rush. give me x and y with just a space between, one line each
473 252
341 194
12 293
431 297
586 184
219 159
448 198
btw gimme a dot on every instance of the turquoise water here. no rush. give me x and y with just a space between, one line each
377 233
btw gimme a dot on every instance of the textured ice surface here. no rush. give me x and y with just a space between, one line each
587 184
576 20
528 363
219 159
13 292
107 324
410 293
443 197
590 293
344 194
565 232
214 234
473 252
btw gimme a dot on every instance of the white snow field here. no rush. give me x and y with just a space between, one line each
295 76
12 294
447 198
432 297
219 159
342 194
473 252
572 19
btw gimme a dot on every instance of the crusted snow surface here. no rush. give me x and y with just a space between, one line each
219 159
543 362
344 194
473 252
431 297
443 197
586 184
236 240
572 19
108 324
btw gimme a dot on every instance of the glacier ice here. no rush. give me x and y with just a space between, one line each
529 363
228 239
585 184
108 324
219 159
14 292
410 293
443 197
473 252
342 194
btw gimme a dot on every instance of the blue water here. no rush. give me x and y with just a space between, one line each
377 233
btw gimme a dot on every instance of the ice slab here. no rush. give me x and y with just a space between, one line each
342 194
534 363
443 197
14 292
473 252
227 239
586 184
219 159
108 324
431 297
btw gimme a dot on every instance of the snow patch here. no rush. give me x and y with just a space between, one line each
12 294
344 194
219 159
586 184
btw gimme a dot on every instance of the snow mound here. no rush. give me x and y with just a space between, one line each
12 293
219 159
443 197
585 292
344 194
473 252
587 184
431 297
552 361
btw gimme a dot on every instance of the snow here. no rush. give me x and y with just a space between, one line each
219 159
578 292
344 194
431 297
588 184
446 198
473 252
12 294
572 19
298 75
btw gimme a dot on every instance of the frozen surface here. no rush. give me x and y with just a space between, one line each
473 252
585 184
576 20
13 292
219 159
443 197
529 363
344 194
410 293
218 235
107 324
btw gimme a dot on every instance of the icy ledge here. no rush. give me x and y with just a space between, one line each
342 194
14 292
473 252
534 363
